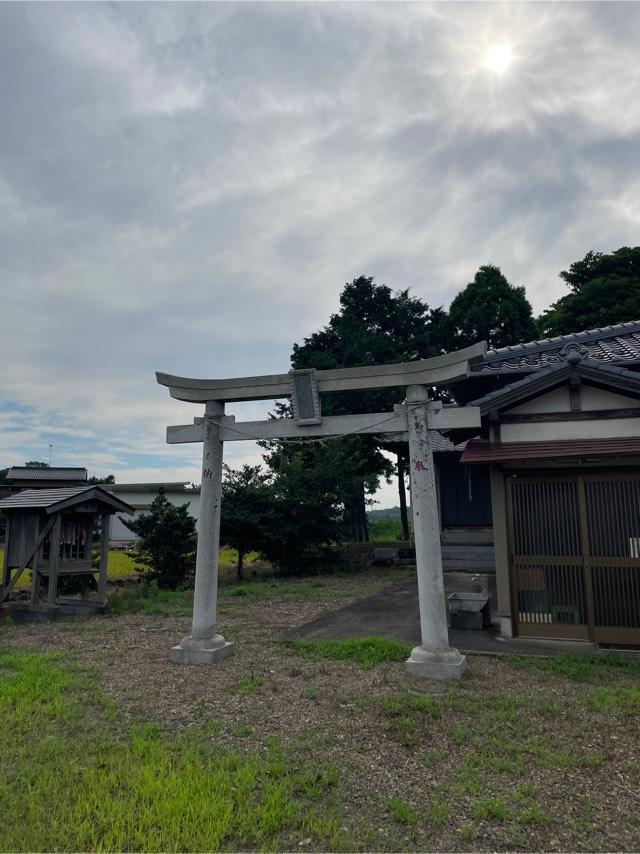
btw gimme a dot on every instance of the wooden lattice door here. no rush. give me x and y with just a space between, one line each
575 556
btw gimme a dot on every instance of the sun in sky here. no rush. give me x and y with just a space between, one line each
498 58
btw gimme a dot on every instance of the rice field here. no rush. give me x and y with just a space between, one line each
122 565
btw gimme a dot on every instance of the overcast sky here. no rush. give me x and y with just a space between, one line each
187 188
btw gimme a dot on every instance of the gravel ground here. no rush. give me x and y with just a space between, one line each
575 788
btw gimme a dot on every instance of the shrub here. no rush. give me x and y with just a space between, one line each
166 552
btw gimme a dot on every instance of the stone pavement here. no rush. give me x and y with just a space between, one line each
393 613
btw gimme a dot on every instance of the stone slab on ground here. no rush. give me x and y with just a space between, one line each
393 613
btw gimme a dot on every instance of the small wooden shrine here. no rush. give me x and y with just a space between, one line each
52 532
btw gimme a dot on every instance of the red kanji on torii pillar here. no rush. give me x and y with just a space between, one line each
417 417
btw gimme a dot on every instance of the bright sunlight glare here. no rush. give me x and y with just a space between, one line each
499 58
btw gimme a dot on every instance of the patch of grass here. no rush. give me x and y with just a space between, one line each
367 652
402 812
407 701
467 781
120 565
71 782
212 728
401 574
316 782
615 701
405 729
469 832
581 668
149 599
311 694
255 589
285 589
533 814
438 811
385 530
459 736
243 730
249 684
587 816
490 808
406 712
524 792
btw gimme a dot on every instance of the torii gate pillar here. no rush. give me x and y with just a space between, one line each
434 658
204 645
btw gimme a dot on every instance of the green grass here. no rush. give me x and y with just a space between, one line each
617 701
403 813
367 652
120 565
149 599
385 531
283 588
581 668
406 714
438 811
249 684
490 809
74 777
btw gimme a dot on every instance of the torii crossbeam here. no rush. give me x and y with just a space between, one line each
433 658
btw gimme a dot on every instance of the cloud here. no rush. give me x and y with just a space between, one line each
187 187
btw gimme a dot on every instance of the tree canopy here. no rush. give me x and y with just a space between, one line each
492 310
604 289
166 552
374 325
247 510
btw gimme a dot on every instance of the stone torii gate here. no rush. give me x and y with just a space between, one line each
416 417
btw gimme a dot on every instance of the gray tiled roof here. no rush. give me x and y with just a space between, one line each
41 497
439 443
50 473
46 498
619 377
619 344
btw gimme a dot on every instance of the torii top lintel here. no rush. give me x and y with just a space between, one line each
445 368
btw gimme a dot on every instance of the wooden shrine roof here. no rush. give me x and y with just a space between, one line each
53 500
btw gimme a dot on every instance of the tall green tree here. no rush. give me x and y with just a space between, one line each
247 510
166 552
492 310
306 515
604 289
374 325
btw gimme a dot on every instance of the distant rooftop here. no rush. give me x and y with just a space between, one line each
49 473
171 487
619 344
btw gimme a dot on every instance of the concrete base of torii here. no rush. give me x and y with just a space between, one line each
201 651
426 664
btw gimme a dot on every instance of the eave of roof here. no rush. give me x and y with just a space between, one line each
483 451
589 370
53 500
172 487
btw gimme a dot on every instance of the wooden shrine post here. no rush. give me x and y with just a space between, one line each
433 658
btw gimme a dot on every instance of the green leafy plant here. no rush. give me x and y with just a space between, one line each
166 552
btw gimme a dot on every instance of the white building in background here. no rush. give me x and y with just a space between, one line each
141 495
